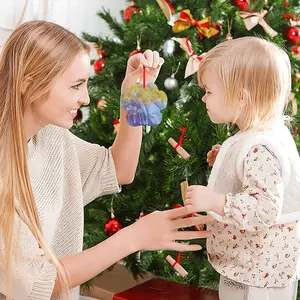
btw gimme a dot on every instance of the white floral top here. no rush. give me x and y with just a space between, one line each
247 246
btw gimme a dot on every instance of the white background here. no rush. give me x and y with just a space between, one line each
75 15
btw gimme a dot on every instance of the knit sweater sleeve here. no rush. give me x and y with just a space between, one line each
33 276
260 204
97 169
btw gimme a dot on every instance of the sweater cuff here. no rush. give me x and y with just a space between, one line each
43 288
110 181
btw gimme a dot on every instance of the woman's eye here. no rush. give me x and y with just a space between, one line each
76 87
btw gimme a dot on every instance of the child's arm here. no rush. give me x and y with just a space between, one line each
260 204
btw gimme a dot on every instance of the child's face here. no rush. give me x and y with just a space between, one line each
214 98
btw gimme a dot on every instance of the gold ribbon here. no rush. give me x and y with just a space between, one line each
186 20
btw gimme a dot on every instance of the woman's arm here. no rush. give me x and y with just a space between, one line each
157 230
127 145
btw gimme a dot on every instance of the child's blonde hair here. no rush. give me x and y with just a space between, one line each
256 77
36 54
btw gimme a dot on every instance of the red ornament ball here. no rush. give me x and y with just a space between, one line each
129 11
293 35
242 4
79 115
135 52
98 65
112 226
101 53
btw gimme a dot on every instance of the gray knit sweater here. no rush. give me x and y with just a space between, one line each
66 173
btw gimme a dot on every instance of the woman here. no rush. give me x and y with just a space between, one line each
48 174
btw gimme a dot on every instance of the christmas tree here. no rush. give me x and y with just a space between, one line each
197 26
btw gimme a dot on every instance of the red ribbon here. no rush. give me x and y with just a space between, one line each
189 46
191 51
177 262
115 122
144 76
183 130
171 7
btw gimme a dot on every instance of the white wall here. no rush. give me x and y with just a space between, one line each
75 15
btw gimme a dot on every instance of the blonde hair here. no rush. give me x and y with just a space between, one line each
256 77
34 56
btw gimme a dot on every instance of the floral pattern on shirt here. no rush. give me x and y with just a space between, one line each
248 246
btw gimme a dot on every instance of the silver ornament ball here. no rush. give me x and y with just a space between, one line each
171 83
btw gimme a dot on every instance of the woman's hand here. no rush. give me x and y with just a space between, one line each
134 72
159 230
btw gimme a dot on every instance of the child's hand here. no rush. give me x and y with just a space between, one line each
205 199
212 154
134 72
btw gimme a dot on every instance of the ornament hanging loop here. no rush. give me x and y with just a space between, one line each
112 212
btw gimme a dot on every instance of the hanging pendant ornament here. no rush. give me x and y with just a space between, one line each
228 35
99 63
293 35
113 225
116 124
178 146
169 48
242 4
171 82
176 265
138 47
144 103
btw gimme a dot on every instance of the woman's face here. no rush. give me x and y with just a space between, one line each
66 96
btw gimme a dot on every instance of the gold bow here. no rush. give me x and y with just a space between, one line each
186 20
